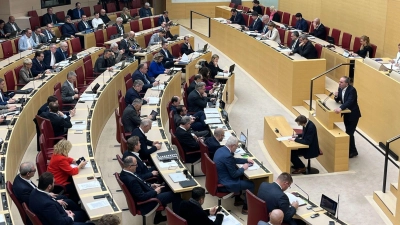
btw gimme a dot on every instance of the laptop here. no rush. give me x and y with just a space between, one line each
94 89
53 40
204 49
243 139
100 26
13 34
88 31
331 40
122 66
232 68
328 204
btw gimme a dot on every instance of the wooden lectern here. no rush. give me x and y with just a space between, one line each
325 114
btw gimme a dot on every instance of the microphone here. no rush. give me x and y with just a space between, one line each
308 197
103 79
337 215
247 141
277 131
34 84
198 47
326 99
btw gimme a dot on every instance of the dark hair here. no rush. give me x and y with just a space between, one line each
37 27
51 98
346 79
162 31
233 10
141 65
254 13
106 51
198 193
1 80
38 53
49 8
179 109
45 180
198 76
96 13
299 15
271 24
109 219
296 33
256 2
2 21
301 119
165 12
204 72
132 142
53 106
174 99
76 4
285 177
67 17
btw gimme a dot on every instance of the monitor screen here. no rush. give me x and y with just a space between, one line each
328 204
49 4
243 138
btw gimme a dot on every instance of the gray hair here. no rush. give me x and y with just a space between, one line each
71 74
26 167
185 120
119 19
137 83
148 4
27 61
137 101
218 131
113 45
265 17
128 161
232 140
296 33
145 122
200 85
303 36
52 45
63 43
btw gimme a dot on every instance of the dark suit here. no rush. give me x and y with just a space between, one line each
47 58
258 9
148 83
320 32
141 169
295 44
60 125
162 19
77 14
8 28
38 39
144 152
67 93
143 12
124 44
3 99
195 215
192 87
186 50
228 174
105 18
69 29
302 25
214 70
101 65
38 67
257 25
188 143
130 119
308 51
196 102
275 198
120 29
276 17
213 145
131 95
83 27
350 119
60 55
238 19
48 35
308 137
168 59
142 191
47 18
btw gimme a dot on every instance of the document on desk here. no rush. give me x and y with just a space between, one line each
88 165
391 66
228 220
89 185
212 115
211 110
293 198
255 166
212 120
87 97
158 87
224 74
176 69
285 138
153 100
78 125
177 177
98 204
227 135
184 58
240 151
154 124
165 165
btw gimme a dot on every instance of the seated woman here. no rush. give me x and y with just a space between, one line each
210 85
156 66
213 66
2 32
64 167
25 74
274 16
272 33
126 15
365 48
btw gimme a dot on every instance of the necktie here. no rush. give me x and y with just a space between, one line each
145 78
265 29
48 34
1 96
79 13
142 180
86 25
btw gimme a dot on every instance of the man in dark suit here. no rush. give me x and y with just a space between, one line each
175 102
319 29
141 74
295 40
61 53
347 95
186 48
103 63
142 170
197 99
131 115
308 137
198 78
143 191
265 21
133 93
301 24
306 48
48 211
11 26
145 11
197 124
84 24
104 16
188 141
228 173
38 37
38 67
120 26
69 93
145 126
129 44
194 214
168 59
69 29
236 18
163 18
4 100
60 122
275 198
77 12
48 32
50 17
213 142
257 24
50 55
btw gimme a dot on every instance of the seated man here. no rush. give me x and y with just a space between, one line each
257 25
38 37
50 17
69 93
60 122
198 78
319 29
229 175
197 121
301 24
168 59
103 63
168 34
49 32
129 44
116 54
62 52
104 17
97 22
275 198
295 40
3 99
193 213
78 12
38 67
133 93
175 102
11 26
186 48
306 48
188 141
163 18
142 170
275 218
145 11
49 58
265 21
50 211
197 99
26 42
308 137
142 191
84 24
131 115
145 126
157 38
236 18
120 26
141 74
213 142
69 28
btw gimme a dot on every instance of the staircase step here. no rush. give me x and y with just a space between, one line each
387 202
301 110
394 187
321 96
331 85
306 104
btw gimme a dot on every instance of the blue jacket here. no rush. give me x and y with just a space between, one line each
69 29
131 95
143 12
82 27
38 68
137 75
60 56
228 174
156 69
23 43
256 25
302 25
213 145
5 99
75 14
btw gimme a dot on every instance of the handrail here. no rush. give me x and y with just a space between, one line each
209 21
328 71
395 138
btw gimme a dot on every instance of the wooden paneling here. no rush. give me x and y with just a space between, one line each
392 32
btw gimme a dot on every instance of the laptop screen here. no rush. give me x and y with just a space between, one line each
328 204
205 47
232 68
243 138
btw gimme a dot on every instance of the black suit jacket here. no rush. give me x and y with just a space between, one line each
130 119
320 32
38 67
214 69
162 19
188 143
350 102
186 50
275 198
82 27
105 18
295 45
58 122
213 145
137 75
47 209
238 19
191 87
141 170
167 57
308 51
47 57
124 45
196 102
144 152
120 29
309 137
195 215
276 18
257 25
131 95
47 18
69 29
60 55
101 65
22 190
8 28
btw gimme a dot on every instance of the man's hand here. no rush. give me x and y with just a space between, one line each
154 186
60 113
11 107
11 100
110 69
70 213
245 166
158 146
336 94
338 110
291 139
246 28
204 94
76 96
72 36
212 99
76 90
155 83
154 172
213 210
158 189
8 34
72 112
391 61
2 118
228 21
122 51
53 195
295 204
62 203
250 161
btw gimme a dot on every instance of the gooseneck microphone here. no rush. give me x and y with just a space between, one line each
277 131
308 197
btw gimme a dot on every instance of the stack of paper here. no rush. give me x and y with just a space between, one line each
227 135
215 126
153 100
158 87
228 220
98 204
224 74
177 177
89 185
81 125
293 198
212 115
168 164
283 138
212 120
87 97
211 110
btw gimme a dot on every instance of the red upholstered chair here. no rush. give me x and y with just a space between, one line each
310 26
33 13
135 25
146 23
16 41
41 163
183 154
356 44
212 184
191 79
7 49
251 21
46 153
136 4
174 219
80 79
112 30
134 12
262 9
147 38
286 18
99 37
121 106
117 116
121 6
374 47
246 9
240 7
111 7
87 58
57 93
32 217
61 15
76 45
293 21
86 9
232 5
281 34
176 50
318 47
288 40
257 209
119 159
336 35
132 204
9 188
346 39
128 84
124 143
280 13
97 8
34 22
127 77
10 82
204 152
246 19
89 74
171 121
46 128
16 72
57 86
327 30
155 21
119 94
268 11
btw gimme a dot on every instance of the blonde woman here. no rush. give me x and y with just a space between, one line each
365 48
126 15
274 16
25 74
213 66
156 66
272 33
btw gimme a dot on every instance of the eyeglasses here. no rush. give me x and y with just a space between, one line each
133 165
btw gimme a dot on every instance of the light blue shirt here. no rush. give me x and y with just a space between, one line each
23 43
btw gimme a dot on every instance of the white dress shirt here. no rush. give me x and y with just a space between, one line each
53 59
96 22
343 92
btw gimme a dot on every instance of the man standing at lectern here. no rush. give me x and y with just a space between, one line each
347 95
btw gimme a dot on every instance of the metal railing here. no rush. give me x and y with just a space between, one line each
387 160
207 17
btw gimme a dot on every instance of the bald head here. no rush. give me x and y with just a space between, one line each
317 21
219 134
276 217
